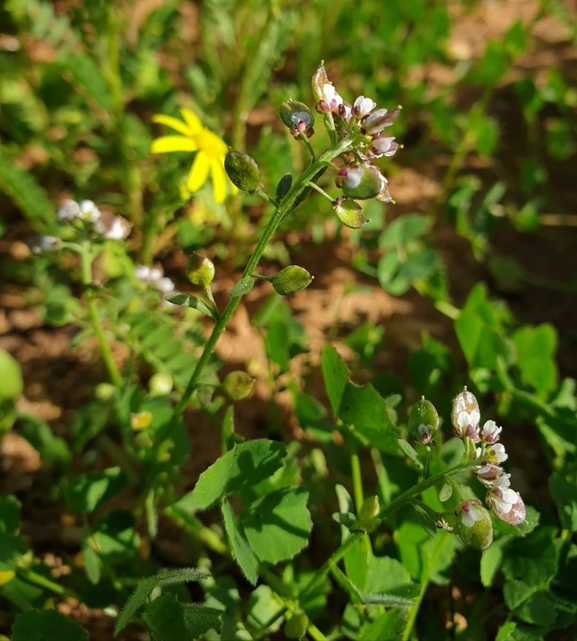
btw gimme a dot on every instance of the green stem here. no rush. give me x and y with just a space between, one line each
285 206
86 264
357 478
322 192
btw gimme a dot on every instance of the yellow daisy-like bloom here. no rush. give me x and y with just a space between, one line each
210 152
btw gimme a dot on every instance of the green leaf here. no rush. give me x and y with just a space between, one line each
243 287
11 383
240 548
564 494
283 187
87 491
278 525
536 347
47 625
409 451
12 548
245 465
387 627
194 302
336 376
9 514
170 619
403 230
491 561
140 595
23 189
91 562
86 76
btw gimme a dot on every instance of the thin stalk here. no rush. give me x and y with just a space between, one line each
86 265
286 205
357 478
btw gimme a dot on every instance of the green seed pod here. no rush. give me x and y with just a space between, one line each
473 525
160 384
238 385
104 391
290 280
296 116
350 213
296 626
423 413
200 270
319 81
361 182
140 420
242 170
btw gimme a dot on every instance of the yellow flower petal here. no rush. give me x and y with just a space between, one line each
192 120
6 576
219 180
166 144
198 172
173 123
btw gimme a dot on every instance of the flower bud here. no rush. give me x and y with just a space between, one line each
160 384
374 123
43 243
360 181
200 270
297 117
350 213
507 505
238 385
242 170
103 391
290 280
465 416
296 626
140 421
370 508
473 525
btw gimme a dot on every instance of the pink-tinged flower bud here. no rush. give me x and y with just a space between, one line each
382 146
465 416
326 96
112 227
507 505
68 210
474 526
350 213
345 111
360 181
363 106
493 476
377 121
490 432
423 421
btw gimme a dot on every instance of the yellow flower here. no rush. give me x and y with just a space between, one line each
210 152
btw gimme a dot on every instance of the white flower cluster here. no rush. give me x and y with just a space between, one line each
365 124
154 276
105 225
506 503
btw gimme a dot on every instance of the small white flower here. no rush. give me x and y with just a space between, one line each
119 229
496 453
425 433
490 432
471 512
68 210
89 211
142 272
164 285
502 499
493 476
363 106
467 424
382 146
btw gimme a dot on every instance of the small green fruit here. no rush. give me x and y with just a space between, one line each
200 270
160 384
242 170
350 213
297 117
360 181
423 412
11 383
296 626
238 385
477 534
290 280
